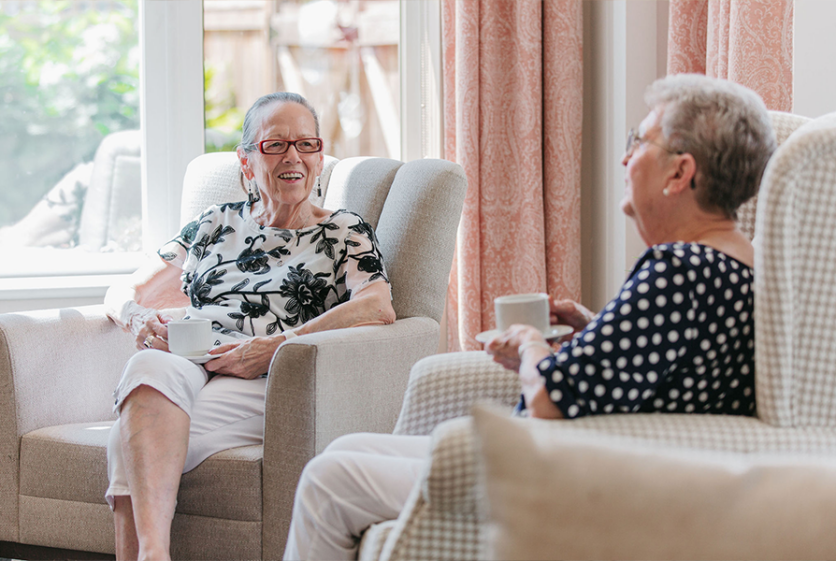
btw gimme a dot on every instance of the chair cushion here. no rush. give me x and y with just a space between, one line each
361 185
417 233
554 495
69 463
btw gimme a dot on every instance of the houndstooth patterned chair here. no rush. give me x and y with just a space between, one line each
784 124
795 353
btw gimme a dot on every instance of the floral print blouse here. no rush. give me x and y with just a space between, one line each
254 280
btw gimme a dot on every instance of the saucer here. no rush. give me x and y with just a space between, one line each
220 339
200 359
553 332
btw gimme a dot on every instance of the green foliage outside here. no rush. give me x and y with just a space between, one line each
223 117
68 77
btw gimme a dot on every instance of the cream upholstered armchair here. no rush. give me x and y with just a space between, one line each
795 295
59 367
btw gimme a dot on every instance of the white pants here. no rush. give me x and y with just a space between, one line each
358 480
224 412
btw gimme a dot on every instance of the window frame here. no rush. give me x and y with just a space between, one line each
421 80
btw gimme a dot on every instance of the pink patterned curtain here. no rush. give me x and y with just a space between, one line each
746 41
513 82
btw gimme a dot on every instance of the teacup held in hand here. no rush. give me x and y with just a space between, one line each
190 337
529 309
526 309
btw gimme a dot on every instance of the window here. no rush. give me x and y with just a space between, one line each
69 154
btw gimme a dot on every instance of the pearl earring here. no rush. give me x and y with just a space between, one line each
666 192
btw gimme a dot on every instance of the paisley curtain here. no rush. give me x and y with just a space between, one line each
746 41
513 88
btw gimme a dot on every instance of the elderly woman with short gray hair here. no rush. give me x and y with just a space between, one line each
677 338
262 271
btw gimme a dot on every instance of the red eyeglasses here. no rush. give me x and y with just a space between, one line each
275 146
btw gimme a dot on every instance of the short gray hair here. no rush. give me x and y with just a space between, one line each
254 115
725 127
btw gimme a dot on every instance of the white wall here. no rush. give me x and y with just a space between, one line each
624 51
814 57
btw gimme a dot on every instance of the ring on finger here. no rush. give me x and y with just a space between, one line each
149 341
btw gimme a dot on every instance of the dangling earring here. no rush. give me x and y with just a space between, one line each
252 197
318 187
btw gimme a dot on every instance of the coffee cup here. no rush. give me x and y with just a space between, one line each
529 309
190 337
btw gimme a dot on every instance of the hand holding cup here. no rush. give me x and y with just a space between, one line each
520 319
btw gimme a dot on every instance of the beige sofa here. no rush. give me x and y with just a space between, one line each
795 295
58 369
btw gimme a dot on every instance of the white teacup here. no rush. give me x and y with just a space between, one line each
190 337
529 309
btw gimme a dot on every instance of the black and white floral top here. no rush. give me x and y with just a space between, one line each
255 280
679 338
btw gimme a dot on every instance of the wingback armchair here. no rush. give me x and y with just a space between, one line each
59 367
795 295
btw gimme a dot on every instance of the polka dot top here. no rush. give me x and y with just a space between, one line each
678 338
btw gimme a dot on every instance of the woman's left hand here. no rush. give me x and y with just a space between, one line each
505 347
248 359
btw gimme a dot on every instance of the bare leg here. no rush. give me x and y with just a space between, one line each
127 546
155 438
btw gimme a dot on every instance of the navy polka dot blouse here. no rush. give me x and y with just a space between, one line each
679 338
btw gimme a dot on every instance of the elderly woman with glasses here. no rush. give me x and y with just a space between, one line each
677 338
262 271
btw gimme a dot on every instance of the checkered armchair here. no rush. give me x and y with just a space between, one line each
795 294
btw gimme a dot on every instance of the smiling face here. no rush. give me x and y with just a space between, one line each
283 179
647 171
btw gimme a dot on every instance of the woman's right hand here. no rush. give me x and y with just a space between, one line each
569 312
150 329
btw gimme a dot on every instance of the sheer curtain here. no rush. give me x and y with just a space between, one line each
513 89
746 41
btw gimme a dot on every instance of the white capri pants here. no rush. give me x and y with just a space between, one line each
358 480
225 412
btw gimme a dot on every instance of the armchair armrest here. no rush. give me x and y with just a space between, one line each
59 366
323 385
445 386
447 496
56 367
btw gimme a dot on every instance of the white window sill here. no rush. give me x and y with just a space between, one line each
48 288
38 278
